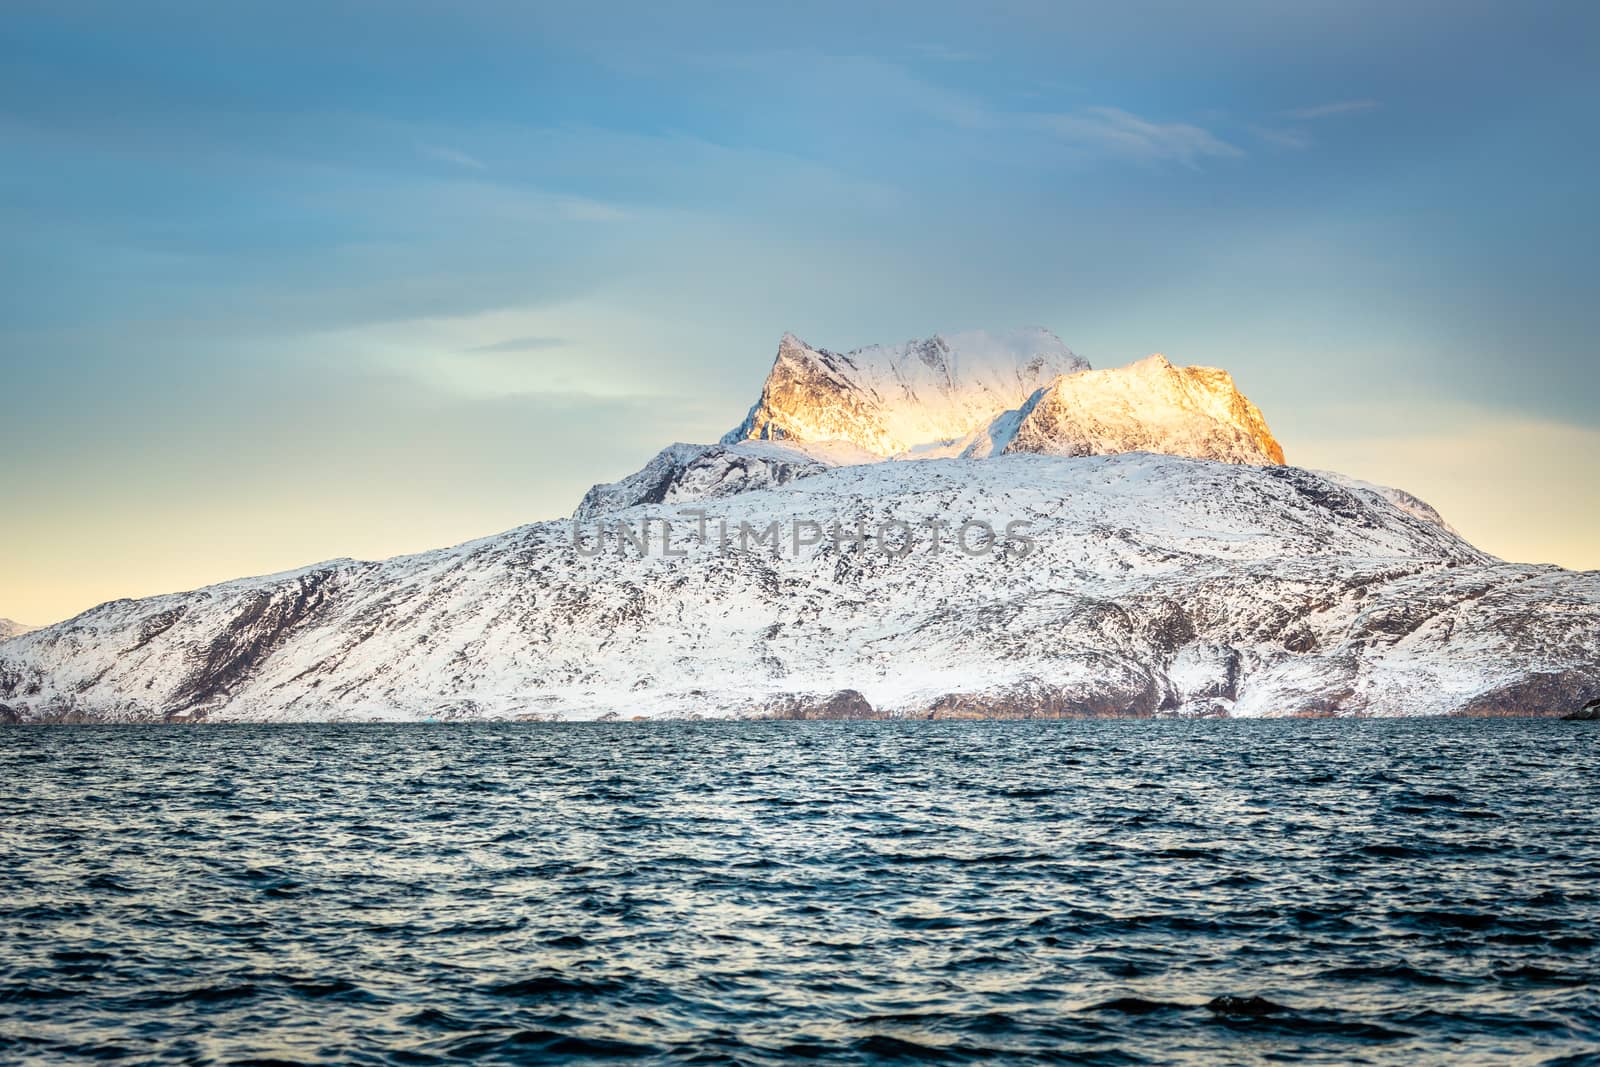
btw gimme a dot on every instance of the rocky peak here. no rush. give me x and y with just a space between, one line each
894 399
1148 406
985 393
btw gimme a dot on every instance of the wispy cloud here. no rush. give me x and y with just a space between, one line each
1299 140
521 344
1107 131
1284 137
896 91
1123 133
1338 107
451 155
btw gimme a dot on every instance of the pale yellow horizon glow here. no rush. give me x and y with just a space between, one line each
1525 490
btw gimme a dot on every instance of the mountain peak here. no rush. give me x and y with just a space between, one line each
891 399
980 392
1148 406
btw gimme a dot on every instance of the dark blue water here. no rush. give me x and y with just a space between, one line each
1393 892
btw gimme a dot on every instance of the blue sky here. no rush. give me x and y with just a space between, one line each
286 281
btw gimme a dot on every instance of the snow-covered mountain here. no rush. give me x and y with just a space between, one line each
979 394
11 628
1136 583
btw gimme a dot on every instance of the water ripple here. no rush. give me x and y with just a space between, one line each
756 893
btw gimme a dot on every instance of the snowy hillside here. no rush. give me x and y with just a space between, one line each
799 577
1157 584
10 628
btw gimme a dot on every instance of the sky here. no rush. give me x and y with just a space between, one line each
288 282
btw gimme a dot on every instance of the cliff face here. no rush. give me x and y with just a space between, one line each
1151 406
891 399
978 395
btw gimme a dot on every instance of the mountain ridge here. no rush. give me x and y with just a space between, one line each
980 394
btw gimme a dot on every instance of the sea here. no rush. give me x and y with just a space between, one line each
1133 892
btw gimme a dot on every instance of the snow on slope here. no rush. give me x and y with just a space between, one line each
10 628
1158 585
1398 497
890 399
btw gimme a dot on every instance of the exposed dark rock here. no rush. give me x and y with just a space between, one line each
1321 493
252 635
1590 712
1300 639
1205 709
845 704
1537 695
156 625
1170 628
1122 691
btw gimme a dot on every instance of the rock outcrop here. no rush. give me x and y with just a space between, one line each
889 400
1150 406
